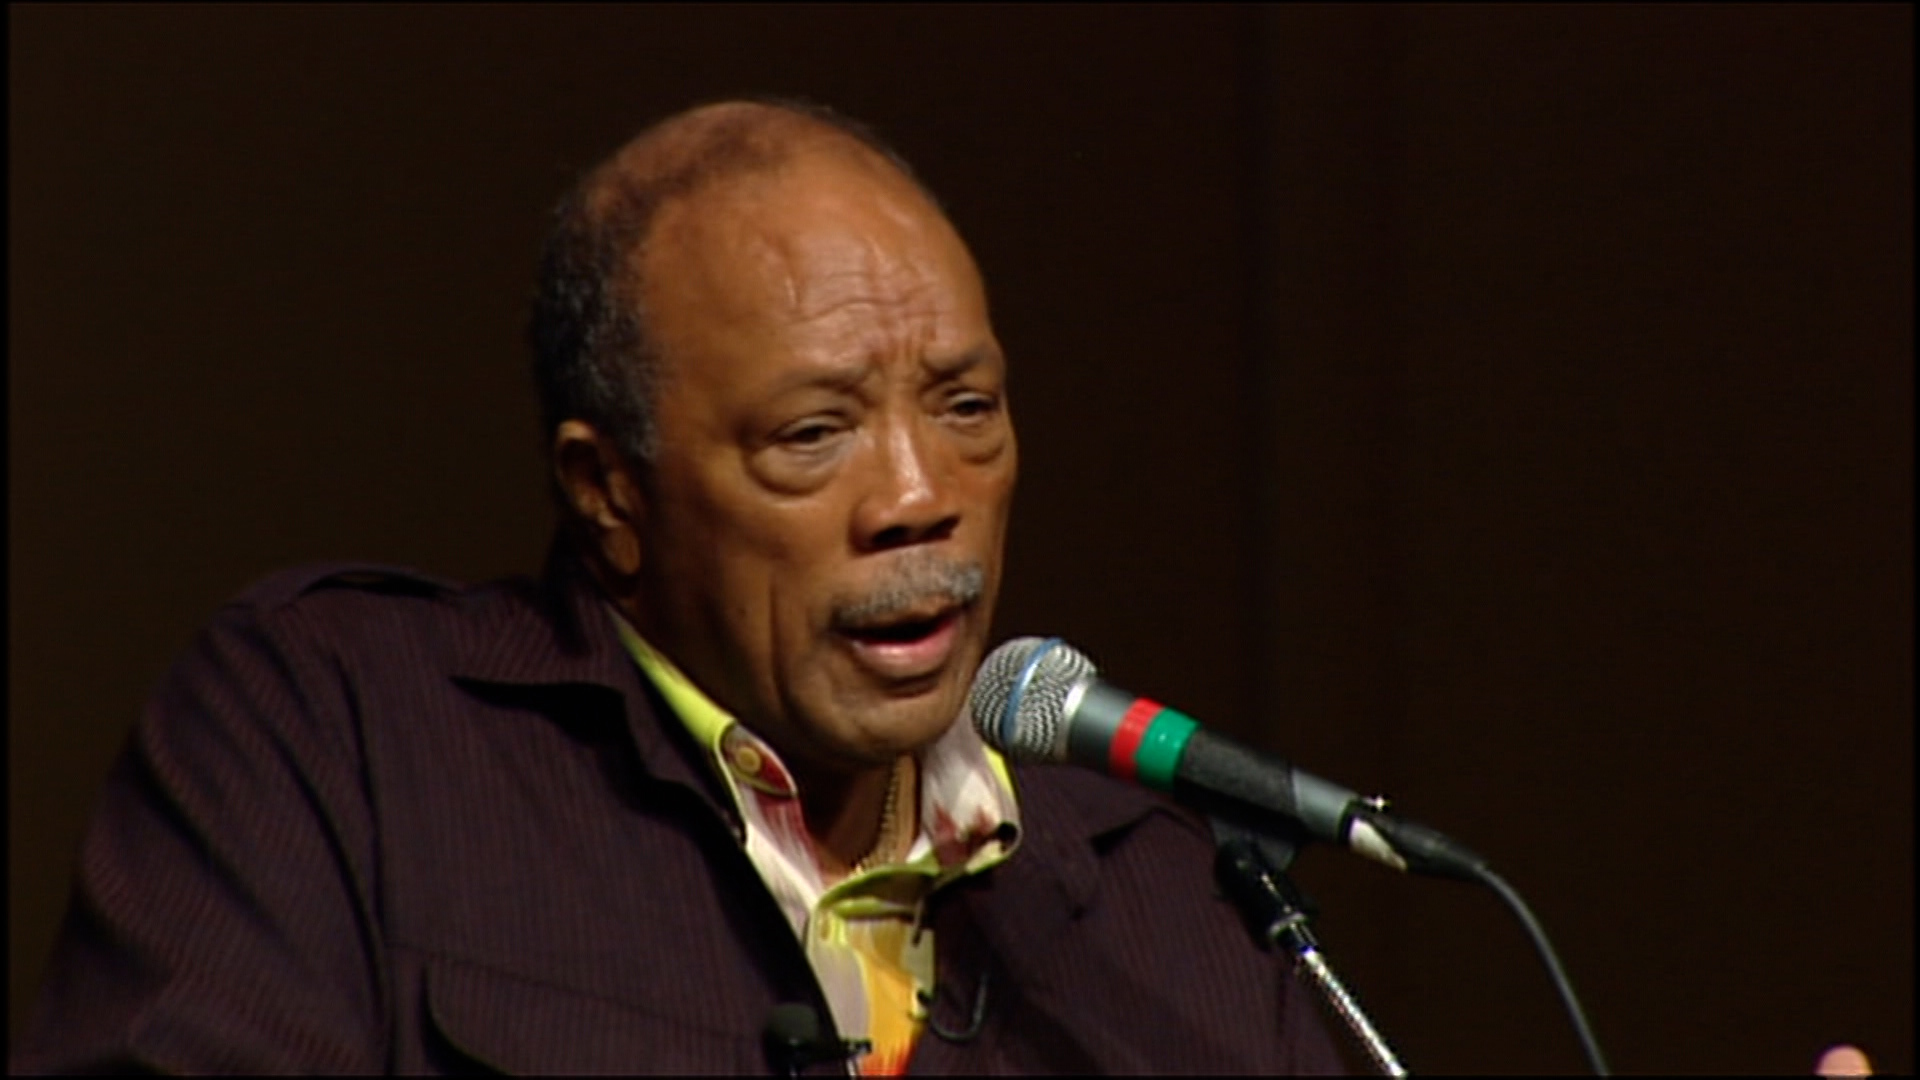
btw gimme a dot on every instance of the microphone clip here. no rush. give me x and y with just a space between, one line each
1251 869
796 1042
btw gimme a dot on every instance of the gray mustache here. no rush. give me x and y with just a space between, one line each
914 587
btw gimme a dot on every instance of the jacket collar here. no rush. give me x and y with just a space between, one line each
544 632
553 638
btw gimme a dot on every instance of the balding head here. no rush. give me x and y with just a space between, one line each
595 358
690 150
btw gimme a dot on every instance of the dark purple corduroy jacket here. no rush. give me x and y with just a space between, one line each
374 822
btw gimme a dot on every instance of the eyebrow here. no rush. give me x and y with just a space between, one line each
843 379
848 379
948 367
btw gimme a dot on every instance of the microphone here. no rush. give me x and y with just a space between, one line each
1040 700
796 1042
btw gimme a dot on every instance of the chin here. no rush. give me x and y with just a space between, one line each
858 719
905 727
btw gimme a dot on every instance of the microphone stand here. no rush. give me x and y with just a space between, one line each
1251 867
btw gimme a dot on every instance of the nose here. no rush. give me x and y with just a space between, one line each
912 496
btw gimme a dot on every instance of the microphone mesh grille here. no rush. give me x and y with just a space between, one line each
1019 698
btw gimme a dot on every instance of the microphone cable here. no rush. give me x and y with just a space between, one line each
1545 948
975 1023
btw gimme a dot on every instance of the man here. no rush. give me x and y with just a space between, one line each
698 801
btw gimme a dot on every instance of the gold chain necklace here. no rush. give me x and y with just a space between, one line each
885 842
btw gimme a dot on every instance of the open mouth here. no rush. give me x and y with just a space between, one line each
909 647
902 632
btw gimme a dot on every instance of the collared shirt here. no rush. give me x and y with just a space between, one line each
864 935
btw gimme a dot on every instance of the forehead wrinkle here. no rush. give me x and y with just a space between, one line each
829 274
812 304
836 256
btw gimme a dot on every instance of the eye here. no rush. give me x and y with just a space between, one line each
974 406
811 434
802 448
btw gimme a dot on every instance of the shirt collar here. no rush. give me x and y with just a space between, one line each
968 811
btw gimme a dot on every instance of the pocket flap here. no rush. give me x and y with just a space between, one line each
512 1024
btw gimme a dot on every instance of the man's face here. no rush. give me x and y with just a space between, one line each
822 531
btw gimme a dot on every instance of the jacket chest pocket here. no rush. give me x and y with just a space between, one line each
480 1019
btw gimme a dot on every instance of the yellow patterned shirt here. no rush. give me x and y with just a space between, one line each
873 958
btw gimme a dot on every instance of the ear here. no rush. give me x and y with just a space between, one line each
605 497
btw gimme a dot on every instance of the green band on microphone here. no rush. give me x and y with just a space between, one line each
1160 748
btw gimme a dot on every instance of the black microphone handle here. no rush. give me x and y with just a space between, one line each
1211 766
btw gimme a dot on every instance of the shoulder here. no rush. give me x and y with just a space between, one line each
294 582
367 605
285 645
329 584
335 639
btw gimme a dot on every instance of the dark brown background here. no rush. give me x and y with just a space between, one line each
1506 408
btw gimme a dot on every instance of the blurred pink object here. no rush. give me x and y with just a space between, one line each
1843 1060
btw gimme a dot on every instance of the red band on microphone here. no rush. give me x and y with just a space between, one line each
1126 740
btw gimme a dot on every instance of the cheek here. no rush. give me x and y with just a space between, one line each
993 493
778 569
